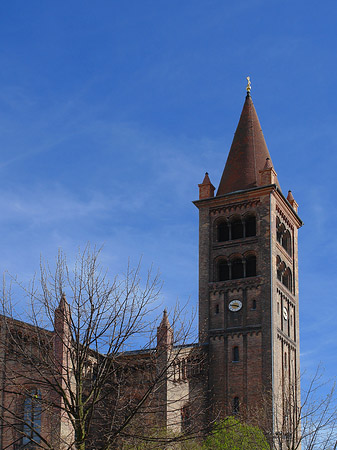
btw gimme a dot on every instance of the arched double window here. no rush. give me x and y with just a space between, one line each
236 228
283 236
31 418
239 267
286 242
287 279
284 274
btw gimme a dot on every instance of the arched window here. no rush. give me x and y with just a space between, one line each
237 229
286 242
236 406
250 226
254 304
217 309
31 418
223 271
287 279
251 266
223 232
236 355
237 269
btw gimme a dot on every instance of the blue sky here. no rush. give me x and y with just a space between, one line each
111 112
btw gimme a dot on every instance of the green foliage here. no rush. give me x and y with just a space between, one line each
231 434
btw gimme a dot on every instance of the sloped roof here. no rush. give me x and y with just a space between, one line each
247 155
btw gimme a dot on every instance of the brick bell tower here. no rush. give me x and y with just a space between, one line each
248 278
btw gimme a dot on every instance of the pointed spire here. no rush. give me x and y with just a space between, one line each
206 188
164 332
164 320
62 315
63 302
247 155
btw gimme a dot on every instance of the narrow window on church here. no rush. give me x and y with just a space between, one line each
236 355
185 417
31 418
184 370
236 406
223 232
94 372
223 271
285 360
254 304
251 266
278 308
217 309
250 226
237 269
237 229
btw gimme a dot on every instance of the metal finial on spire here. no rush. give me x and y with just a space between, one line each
248 88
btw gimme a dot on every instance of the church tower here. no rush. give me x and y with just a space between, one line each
248 278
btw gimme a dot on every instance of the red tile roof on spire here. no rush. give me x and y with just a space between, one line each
247 155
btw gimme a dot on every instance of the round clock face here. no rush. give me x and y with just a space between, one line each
235 305
285 313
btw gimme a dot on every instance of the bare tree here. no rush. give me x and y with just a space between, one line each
70 377
303 418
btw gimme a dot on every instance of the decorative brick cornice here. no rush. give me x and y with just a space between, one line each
235 332
286 339
239 284
286 296
234 207
281 288
285 217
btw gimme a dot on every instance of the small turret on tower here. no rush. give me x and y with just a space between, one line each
292 201
268 174
206 188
